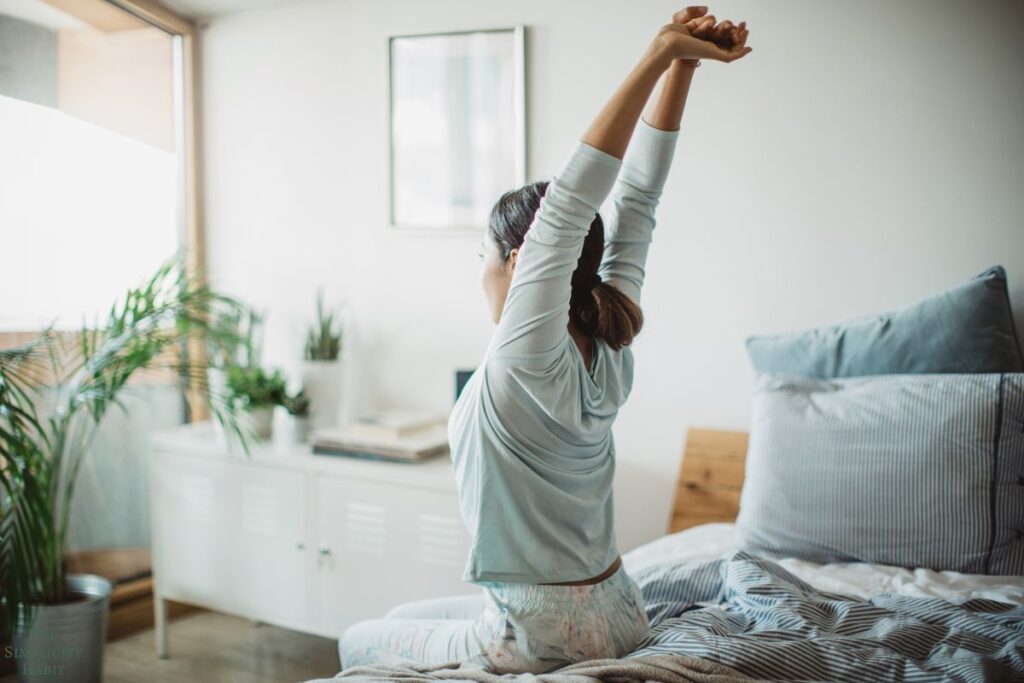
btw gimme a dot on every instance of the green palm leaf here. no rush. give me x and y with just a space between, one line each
40 457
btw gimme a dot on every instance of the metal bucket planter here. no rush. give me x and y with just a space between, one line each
65 642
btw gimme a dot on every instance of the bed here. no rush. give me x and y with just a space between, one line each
790 619
881 531
722 614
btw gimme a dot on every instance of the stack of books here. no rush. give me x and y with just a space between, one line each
399 435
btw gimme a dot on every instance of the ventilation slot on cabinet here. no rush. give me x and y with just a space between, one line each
260 513
366 528
197 497
441 540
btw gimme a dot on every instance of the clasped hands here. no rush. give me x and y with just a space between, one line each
694 34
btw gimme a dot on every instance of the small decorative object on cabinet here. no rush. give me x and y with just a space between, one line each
322 370
298 417
305 542
240 345
257 392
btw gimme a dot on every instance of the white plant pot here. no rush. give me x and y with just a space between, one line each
259 422
297 429
322 381
65 642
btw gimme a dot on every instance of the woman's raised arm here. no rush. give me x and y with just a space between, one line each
534 322
613 126
630 221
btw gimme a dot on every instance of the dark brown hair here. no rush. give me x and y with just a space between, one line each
596 308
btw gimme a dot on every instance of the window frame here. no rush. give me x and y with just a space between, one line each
185 32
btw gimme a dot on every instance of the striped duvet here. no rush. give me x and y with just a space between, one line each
751 614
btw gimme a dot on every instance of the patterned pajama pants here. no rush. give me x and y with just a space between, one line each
507 628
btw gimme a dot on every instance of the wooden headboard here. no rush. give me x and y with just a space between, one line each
710 478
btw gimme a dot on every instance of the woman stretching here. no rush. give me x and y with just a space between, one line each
531 434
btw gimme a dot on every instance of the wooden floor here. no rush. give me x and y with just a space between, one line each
216 648
208 646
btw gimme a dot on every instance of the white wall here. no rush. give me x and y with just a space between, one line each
865 155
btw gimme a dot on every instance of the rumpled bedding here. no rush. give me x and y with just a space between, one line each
660 668
751 614
743 617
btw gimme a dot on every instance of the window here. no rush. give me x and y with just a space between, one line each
89 174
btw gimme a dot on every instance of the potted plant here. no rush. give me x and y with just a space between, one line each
54 392
244 348
322 371
297 406
256 392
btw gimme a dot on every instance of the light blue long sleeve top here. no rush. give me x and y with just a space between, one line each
531 434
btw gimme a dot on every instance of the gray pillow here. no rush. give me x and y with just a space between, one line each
966 329
906 470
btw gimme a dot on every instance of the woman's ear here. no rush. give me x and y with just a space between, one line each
510 264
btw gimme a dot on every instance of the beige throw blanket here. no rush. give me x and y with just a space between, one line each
663 668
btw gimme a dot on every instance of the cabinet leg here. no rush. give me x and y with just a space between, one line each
160 624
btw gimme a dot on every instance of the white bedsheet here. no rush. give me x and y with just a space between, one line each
859 579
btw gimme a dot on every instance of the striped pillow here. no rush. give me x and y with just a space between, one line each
906 470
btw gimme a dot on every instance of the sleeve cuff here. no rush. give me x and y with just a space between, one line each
590 173
649 156
644 129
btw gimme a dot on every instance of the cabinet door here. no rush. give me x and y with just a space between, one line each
230 535
383 544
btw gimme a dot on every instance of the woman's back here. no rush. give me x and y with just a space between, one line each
531 434
535 458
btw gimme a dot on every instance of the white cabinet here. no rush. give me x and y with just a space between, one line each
381 545
312 543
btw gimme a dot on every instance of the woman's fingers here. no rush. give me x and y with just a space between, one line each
739 53
743 37
724 41
725 34
709 20
734 35
701 28
728 36
687 15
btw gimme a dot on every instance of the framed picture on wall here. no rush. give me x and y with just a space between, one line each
457 111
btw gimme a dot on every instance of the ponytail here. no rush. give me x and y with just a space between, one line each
596 308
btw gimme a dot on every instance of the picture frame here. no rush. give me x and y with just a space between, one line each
456 126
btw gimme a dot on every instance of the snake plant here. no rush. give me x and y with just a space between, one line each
323 340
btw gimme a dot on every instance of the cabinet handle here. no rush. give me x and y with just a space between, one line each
324 549
299 544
